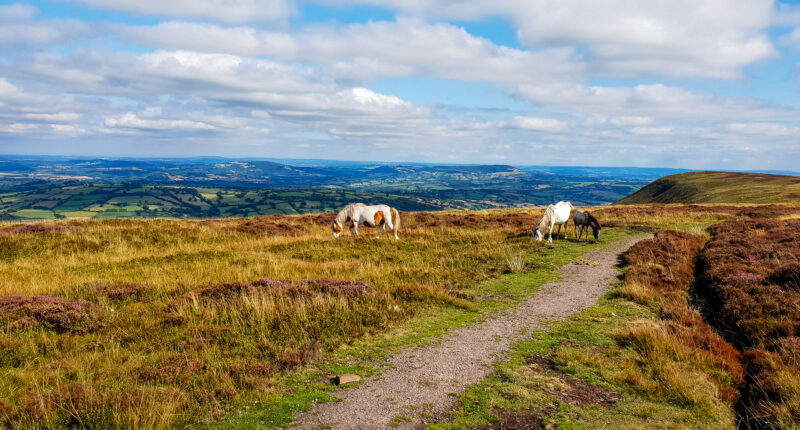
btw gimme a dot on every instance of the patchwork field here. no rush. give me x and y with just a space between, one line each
236 322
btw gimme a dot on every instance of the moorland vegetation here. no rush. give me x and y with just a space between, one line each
163 323
718 187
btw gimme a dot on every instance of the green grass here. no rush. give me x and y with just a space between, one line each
33 214
718 187
585 346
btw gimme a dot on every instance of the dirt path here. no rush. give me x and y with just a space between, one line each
421 382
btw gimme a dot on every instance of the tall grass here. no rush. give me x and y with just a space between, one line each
165 323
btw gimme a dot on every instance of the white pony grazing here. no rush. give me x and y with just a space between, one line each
557 214
359 213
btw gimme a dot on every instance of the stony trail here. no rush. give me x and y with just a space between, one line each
419 385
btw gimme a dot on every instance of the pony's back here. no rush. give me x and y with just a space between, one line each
349 210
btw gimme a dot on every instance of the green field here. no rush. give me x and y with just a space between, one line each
104 201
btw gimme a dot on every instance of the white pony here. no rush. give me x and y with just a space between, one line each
557 214
359 213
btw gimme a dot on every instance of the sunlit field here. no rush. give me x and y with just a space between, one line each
164 323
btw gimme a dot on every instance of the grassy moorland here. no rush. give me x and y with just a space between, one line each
718 187
164 323
645 357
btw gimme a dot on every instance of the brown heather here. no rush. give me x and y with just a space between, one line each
750 273
681 350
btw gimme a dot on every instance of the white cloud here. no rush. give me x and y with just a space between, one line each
66 128
17 12
647 100
765 129
360 52
624 121
55 117
17 128
712 38
652 131
538 124
792 39
221 10
131 120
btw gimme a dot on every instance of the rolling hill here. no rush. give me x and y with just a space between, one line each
718 187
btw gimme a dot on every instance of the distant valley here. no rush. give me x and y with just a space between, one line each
62 187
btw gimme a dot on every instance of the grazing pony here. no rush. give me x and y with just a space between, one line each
557 214
374 216
584 220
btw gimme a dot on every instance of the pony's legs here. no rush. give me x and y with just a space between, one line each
380 232
576 231
550 234
354 229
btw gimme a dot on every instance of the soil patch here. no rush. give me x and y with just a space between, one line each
574 391
518 420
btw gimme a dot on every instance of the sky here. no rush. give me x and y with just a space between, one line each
712 84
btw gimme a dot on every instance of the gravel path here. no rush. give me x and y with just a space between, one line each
422 380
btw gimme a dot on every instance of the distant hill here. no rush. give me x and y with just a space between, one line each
718 187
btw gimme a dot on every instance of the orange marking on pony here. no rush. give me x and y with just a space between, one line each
379 218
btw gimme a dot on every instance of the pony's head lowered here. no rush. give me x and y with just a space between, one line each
336 228
548 213
595 227
344 216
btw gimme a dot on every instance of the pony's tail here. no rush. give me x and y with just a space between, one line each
395 222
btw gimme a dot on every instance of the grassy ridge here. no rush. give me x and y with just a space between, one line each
718 187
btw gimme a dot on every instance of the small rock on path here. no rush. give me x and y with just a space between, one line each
425 382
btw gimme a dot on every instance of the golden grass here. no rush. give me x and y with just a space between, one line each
164 352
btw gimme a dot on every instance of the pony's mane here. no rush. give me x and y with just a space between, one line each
593 221
548 213
347 213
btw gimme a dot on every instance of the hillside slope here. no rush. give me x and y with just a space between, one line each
718 187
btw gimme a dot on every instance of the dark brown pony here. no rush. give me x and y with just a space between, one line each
584 220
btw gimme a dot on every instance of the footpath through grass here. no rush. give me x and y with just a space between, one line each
299 391
165 323
644 357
